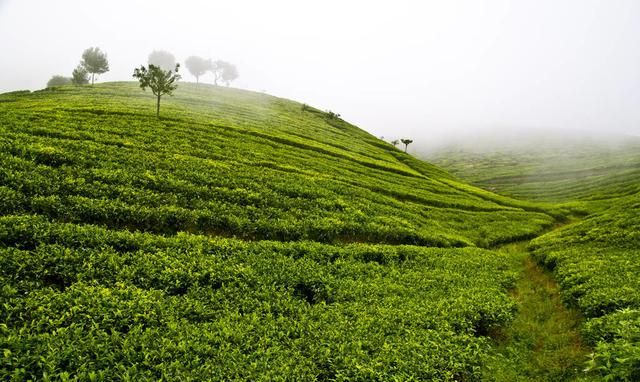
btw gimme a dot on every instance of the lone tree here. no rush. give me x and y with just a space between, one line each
225 71
80 76
198 66
406 143
95 62
395 142
160 81
58 81
163 59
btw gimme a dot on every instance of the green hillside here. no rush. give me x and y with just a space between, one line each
596 261
238 237
548 166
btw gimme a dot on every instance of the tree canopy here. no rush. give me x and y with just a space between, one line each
95 62
80 76
58 81
159 81
406 143
163 59
198 66
229 73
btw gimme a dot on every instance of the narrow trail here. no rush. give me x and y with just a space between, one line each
543 343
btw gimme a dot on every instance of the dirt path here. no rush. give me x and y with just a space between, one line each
543 343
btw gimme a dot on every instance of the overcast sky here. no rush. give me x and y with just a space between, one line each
396 68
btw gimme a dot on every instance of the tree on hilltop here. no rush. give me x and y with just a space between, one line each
159 81
198 66
406 143
80 76
163 59
395 143
95 62
225 71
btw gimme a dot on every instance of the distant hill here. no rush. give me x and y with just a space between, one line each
545 165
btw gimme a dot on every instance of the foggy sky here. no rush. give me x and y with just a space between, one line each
419 69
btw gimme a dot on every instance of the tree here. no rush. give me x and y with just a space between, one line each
95 62
159 81
395 142
198 66
225 71
58 81
80 76
406 143
163 59
229 73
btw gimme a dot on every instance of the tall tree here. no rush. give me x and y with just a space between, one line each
197 66
95 62
395 142
406 143
163 59
80 76
159 81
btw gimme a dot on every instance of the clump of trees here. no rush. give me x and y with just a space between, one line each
58 81
160 81
332 115
222 70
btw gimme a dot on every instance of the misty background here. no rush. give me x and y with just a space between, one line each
426 70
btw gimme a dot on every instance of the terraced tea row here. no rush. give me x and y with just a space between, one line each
217 166
597 263
97 304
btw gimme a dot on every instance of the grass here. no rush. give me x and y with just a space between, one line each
543 343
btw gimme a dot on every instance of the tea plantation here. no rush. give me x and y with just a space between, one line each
596 261
243 237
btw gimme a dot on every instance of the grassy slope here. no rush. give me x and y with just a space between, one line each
596 261
556 169
237 238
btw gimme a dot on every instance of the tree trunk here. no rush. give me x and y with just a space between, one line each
158 107
92 74
405 147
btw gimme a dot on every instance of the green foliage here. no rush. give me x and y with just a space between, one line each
332 115
238 239
160 81
597 264
58 81
300 310
94 61
80 76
